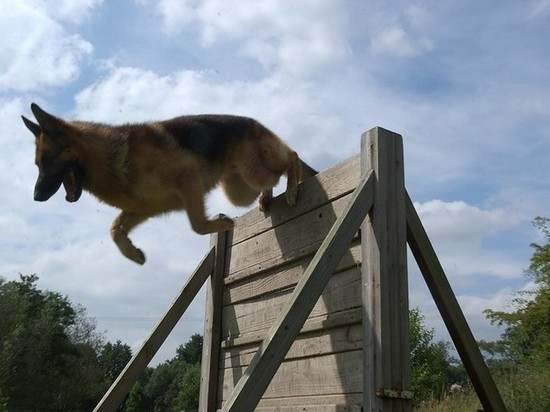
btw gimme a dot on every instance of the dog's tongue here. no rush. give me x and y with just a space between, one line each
72 186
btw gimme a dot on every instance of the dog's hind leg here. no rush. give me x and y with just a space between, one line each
265 200
264 161
293 178
121 226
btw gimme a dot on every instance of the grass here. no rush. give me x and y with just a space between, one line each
522 390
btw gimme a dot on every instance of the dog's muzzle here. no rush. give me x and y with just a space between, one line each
47 185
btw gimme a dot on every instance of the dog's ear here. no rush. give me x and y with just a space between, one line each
33 127
49 124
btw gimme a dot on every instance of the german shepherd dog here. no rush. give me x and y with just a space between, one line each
153 168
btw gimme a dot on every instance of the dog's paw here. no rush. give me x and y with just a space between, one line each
225 223
136 255
265 201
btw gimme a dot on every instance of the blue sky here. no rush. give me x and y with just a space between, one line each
466 83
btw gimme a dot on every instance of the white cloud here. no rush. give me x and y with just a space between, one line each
176 14
463 221
396 41
300 38
459 232
473 307
74 11
36 51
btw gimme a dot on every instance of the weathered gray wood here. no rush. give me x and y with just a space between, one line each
451 312
343 292
385 293
259 373
335 373
212 326
307 345
323 188
131 373
278 278
285 243
341 407
334 402
334 320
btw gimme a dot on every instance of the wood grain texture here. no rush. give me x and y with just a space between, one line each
336 373
211 345
308 344
256 316
385 292
317 191
238 289
286 243
269 356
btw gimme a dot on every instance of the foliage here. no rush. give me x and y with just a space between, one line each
526 339
172 385
191 352
520 359
3 402
50 352
113 359
432 369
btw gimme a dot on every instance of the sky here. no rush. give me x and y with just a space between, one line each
465 83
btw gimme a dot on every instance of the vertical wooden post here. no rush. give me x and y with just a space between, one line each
212 327
384 278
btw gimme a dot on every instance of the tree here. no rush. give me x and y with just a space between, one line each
526 339
191 352
47 359
113 359
431 365
172 385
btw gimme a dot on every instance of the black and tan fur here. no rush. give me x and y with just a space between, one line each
153 168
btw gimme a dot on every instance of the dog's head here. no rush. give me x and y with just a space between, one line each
55 157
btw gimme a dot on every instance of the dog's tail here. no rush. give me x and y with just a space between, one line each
307 170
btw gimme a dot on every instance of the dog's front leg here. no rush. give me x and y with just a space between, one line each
193 198
120 228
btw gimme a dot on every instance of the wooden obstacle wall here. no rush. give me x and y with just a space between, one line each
265 256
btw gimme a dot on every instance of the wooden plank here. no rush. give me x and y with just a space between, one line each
212 326
307 345
239 288
451 312
313 408
337 373
256 316
265 363
334 320
135 367
349 402
286 243
315 192
386 339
